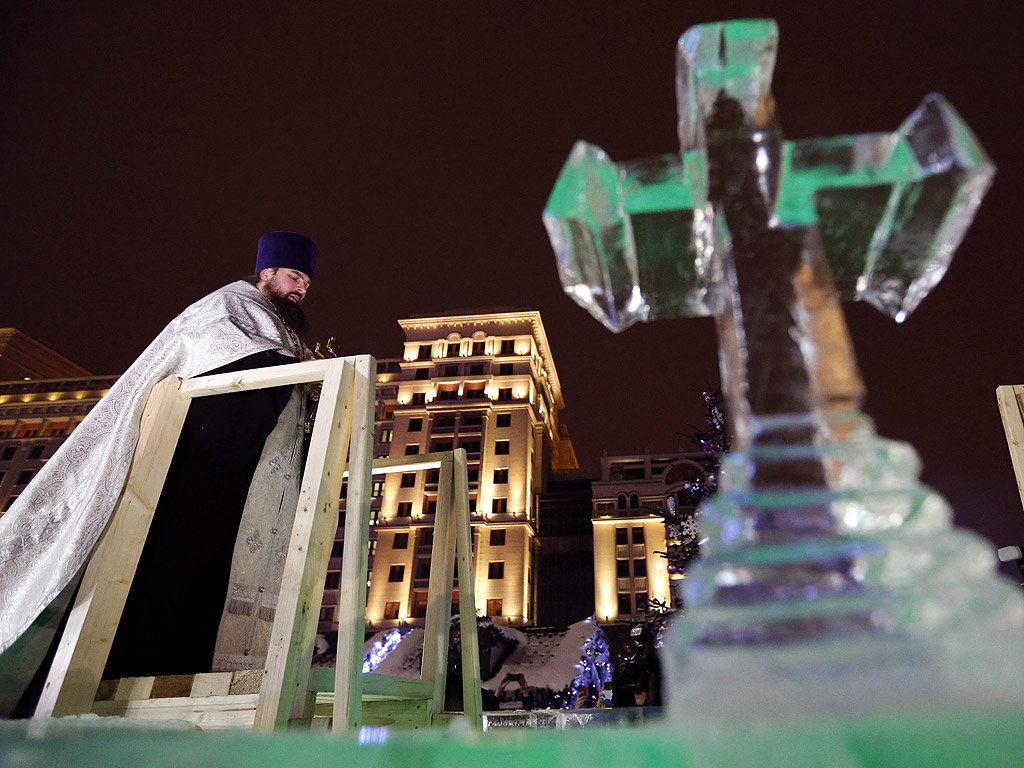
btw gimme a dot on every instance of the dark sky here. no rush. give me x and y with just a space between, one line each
146 146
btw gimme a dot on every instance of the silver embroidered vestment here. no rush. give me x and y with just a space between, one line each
48 533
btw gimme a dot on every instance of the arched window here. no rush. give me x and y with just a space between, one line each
634 501
621 501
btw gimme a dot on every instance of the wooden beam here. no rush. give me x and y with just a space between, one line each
472 703
75 674
1011 408
352 597
316 518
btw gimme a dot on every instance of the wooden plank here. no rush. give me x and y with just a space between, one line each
1011 406
392 686
167 686
316 519
436 630
134 688
260 378
401 713
472 701
209 684
85 644
209 713
352 596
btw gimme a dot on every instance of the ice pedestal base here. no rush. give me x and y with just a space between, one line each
853 598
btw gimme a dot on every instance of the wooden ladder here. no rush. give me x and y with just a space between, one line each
287 688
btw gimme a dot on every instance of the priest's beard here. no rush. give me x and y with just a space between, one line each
290 311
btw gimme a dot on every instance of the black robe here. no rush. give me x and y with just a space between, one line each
170 620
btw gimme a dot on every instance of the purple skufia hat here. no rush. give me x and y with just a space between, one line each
286 250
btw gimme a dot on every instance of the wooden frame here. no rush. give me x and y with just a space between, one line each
1011 409
344 426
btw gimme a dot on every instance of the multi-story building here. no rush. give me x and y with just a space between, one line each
43 397
629 529
486 383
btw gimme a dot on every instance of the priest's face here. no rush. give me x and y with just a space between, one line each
288 284
286 288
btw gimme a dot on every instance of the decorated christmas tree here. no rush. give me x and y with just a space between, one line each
682 510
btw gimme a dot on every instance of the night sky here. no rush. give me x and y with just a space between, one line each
146 146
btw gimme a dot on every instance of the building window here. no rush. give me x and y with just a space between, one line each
641 601
499 506
371 548
327 613
387 435
508 346
430 508
24 477
497 537
333 580
622 569
496 569
423 569
397 573
421 374
36 452
377 489
419 604
505 393
479 347
640 567
620 502
419 398
8 453
451 370
448 393
387 411
501 447
624 603
391 609
504 420
494 606
401 541
472 420
415 425
634 502
412 449
476 369
471 446
500 476
621 536
453 350
441 445
473 475
505 369
638 535
337 549
424 353
473 391
408 480
404 509
55 428
433 476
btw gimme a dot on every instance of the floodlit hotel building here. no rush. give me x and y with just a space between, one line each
486 383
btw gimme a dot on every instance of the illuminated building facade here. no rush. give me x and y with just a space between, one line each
486 383
629 529
43 397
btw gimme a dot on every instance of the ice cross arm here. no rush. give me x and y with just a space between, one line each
639 241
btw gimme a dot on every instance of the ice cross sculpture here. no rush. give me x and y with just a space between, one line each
833 581
767 235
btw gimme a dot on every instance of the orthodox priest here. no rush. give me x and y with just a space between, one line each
204 593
